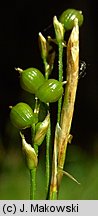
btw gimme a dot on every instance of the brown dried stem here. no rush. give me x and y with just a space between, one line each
69 97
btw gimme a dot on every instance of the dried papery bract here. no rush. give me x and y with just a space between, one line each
30 154
70 95
41 131
59 30
43 46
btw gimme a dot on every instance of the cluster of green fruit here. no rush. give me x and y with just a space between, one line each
47 91
33 81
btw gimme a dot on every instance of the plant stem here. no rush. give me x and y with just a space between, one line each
60 65
33 171
48 137
53 185
46 68
32 183
69 97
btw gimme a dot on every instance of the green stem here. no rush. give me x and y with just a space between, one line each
32 183
33 171
53 186
60 65
46 68
32 132
53 195
48 137
36 149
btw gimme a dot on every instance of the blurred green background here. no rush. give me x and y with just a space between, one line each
14 175
20 23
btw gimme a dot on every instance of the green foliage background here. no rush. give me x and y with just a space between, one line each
14 176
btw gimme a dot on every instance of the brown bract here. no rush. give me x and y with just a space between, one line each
70 95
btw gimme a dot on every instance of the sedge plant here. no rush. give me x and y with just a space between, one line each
49 90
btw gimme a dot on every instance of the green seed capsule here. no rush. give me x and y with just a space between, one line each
68 16
50 91
22 115
31 79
